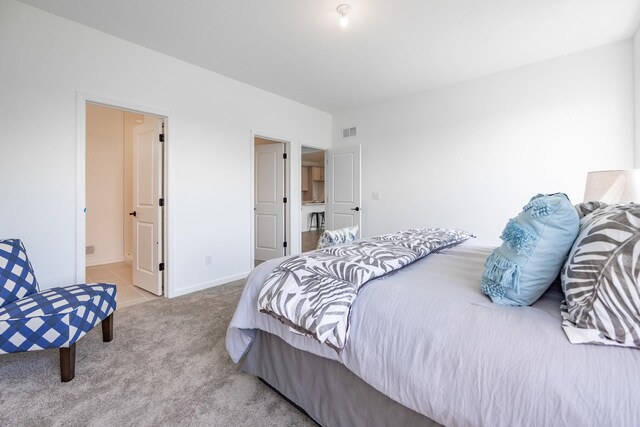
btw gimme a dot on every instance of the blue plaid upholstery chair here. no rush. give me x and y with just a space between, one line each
55 318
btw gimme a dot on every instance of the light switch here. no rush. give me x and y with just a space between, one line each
375 196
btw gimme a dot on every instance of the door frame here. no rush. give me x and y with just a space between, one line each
82 99
287 183
326 151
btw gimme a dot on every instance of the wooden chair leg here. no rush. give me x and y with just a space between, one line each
68 363
107 328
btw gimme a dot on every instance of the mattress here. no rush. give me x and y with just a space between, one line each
428 338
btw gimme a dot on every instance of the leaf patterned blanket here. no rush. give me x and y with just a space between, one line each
313 292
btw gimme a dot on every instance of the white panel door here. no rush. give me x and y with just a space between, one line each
343 188
147 191
269 203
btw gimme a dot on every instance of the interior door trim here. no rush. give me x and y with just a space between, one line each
82 99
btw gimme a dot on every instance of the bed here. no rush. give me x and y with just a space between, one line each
426 347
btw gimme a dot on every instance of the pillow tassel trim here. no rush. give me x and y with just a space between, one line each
520 239
539 207
500 276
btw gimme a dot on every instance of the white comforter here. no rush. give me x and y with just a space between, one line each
428 338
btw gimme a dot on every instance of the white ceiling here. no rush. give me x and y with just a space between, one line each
315 157
296 48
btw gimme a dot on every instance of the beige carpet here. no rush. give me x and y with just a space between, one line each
167 365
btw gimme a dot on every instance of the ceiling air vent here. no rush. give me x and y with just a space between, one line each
346 133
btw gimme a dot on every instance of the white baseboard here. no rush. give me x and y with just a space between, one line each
95 262
205 285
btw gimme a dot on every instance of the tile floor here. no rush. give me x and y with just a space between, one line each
121 274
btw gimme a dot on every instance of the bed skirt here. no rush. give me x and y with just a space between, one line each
327 391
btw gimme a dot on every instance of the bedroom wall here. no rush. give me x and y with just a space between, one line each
636 80
471 155
47 60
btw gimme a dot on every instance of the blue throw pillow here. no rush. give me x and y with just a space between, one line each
536 244
17 279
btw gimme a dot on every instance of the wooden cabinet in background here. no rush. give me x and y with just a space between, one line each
317 174
305 178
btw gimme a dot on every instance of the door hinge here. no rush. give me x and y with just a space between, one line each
161 137
284 200
284 156
284 244
161 266
161 201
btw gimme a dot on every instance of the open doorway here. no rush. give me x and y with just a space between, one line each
312 219
124 202
270 199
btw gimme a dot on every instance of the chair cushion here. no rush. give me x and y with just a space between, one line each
536 243
55 318
17 279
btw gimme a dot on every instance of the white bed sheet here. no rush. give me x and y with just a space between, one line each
428 338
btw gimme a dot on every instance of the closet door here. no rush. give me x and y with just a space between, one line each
269 201
343 188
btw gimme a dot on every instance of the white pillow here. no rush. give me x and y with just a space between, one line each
336 237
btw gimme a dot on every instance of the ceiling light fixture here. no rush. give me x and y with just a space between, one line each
343 10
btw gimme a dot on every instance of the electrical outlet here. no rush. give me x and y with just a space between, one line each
208 259
375 196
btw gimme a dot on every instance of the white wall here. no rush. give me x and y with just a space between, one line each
636 80
105 184
471 155
46 60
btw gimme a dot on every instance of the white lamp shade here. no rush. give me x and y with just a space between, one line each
620 186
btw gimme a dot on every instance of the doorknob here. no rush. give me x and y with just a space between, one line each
357 209
133 213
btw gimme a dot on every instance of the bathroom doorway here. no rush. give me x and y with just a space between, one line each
124 202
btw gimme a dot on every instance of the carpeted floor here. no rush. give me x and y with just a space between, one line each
167 365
